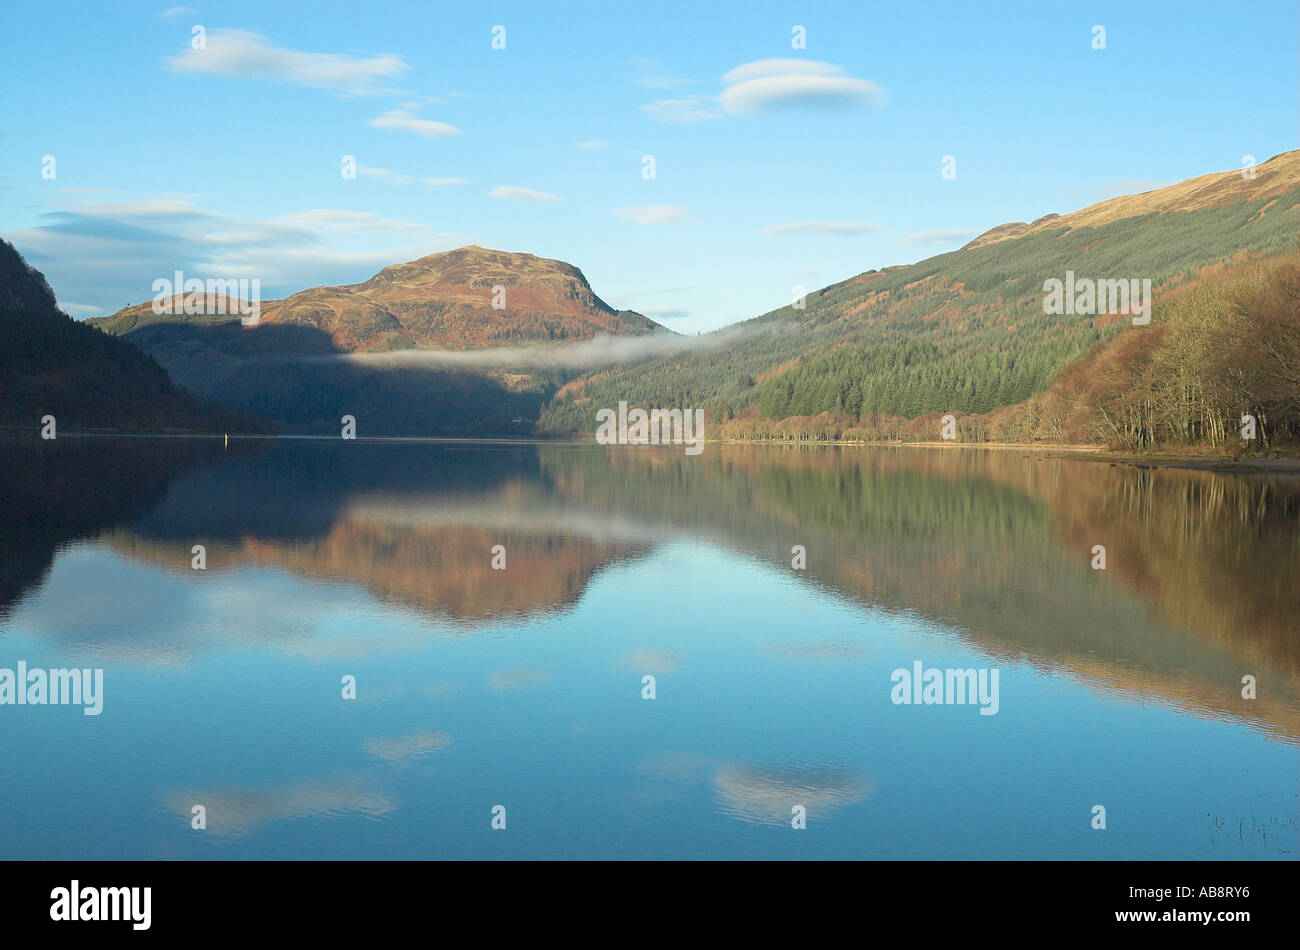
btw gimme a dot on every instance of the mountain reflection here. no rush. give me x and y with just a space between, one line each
1198 590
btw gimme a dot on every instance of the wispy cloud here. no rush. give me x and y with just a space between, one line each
395 178
106 255
653 214
938 238
175 12
600 350
651 75
80 309
690 110
402 120
824 228
522 195
244 55
338 220
90 191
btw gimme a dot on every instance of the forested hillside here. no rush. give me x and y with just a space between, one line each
963 332
52 365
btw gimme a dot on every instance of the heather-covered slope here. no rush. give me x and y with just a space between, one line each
442 301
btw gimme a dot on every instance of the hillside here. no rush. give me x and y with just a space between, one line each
1277 176
964 332
55 365
298 365
442 301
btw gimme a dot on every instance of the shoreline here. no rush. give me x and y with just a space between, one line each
1192 461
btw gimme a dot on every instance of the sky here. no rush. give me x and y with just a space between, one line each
126 153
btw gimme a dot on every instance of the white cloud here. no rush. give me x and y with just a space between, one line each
105 256
765 82
938 238
395 178
176 11
752 87
830 228
522 195
766 68
404 121
339 220
651 75
148 207
245 55
688 111
80 310
653 214
90 191
384 174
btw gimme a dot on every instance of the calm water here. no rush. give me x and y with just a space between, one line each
523 687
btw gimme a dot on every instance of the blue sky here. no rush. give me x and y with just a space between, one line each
774 166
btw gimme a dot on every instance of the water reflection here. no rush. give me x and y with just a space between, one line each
375 559
1199 588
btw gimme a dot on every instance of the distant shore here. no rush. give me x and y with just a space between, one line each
1202 463
1192 460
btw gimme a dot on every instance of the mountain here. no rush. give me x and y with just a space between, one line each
301 364
55 365
966 332
442 301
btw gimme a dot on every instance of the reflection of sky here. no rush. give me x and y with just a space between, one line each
224 688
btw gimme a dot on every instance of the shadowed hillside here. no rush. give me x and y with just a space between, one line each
84 378
294 363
